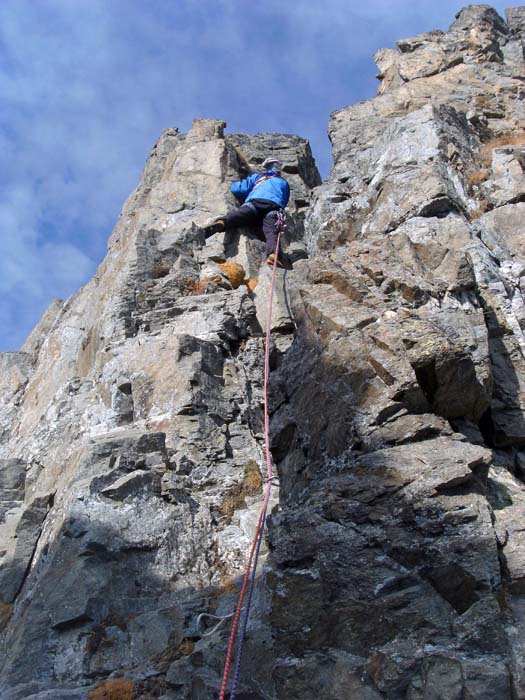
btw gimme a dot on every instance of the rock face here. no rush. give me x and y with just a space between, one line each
132 428
131 425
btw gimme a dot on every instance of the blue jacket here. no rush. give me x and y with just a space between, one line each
272 187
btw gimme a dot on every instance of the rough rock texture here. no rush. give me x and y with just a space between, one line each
131 420
131 431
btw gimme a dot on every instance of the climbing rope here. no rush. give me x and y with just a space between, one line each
251 568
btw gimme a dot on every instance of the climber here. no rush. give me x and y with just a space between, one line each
262 196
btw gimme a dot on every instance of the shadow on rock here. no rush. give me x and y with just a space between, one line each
117 605
384 567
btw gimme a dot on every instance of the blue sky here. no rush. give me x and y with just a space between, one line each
88 85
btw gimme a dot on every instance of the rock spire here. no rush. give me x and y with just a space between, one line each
131 418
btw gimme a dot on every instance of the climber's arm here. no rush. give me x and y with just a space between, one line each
241 189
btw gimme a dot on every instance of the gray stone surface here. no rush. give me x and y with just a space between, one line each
132 433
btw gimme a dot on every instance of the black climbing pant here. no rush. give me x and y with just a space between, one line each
254 212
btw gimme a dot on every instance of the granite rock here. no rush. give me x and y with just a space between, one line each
132 426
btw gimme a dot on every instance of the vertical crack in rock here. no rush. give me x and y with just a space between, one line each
45 506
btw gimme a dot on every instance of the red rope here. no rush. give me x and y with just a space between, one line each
269 472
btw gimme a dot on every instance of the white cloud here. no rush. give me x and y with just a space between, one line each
87 86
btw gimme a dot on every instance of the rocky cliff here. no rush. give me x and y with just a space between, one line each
131 420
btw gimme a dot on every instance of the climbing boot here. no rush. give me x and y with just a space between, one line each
285 260
214 227
271 260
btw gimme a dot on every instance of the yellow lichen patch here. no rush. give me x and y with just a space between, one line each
234 272
252 482
251 284
186 647
234 499
228 585
476 177
511 138
116 689
5 613
172 653
201 286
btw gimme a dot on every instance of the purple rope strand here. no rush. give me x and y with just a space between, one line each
242 633
244 624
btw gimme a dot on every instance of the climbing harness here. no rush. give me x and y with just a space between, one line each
260 181
251 568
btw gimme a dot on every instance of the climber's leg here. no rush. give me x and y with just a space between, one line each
270 231
243 216
246 215
214 227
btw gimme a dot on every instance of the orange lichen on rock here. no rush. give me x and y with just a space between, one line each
116 689
173 652
511 138
235 498
476 177
251 284
234 272
252 482
228 585
200 287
